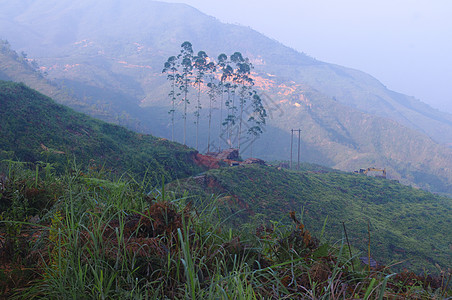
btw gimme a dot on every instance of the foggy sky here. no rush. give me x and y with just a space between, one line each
406 44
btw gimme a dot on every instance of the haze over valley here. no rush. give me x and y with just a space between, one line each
145 141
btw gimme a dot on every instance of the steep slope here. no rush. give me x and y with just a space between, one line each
406 225
110 54
19 68
34 128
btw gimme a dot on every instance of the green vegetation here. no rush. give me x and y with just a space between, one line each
80 217
408 226
33 128
100 239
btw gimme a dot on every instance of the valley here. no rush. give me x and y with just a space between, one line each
148 150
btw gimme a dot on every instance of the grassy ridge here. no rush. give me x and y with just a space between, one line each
405 223
77 234
112 239
34 128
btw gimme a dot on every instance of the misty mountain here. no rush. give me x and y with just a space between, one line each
54 28
109 54
19 68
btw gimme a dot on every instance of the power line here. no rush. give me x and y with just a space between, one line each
299 142
291 146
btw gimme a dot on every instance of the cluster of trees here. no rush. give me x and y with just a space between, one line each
228 84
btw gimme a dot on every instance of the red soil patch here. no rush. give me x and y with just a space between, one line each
206 161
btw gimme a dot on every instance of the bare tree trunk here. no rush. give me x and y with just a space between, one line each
197 114
210 122
185 116
172 115
240 125
221 120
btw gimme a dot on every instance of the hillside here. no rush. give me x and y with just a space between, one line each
35 128
80 236
17 67
406 225
349 120
337 136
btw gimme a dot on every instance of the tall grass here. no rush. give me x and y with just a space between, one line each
102 238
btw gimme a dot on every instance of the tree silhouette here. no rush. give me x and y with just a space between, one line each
257 117
245 82
229 86
186 56
212 92
200 65
170 67
222 63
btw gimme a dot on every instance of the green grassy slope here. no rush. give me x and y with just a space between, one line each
405 223
35 128
90 238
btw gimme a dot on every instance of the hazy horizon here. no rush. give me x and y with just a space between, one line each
405 44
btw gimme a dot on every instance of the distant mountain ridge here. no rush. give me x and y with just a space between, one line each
112 53
367 94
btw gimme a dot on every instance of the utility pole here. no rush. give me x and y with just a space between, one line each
291 146
299 139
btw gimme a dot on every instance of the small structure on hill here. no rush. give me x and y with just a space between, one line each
257 161
373 169
231 154
283 166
